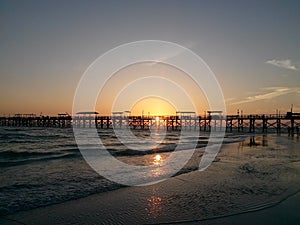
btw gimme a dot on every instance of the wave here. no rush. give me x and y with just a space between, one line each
15 158
37 159
27 154
27 151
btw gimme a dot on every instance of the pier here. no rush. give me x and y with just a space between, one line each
213 120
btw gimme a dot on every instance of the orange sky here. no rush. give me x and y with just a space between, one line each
154 107
154 88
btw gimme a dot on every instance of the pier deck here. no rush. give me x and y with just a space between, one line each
261 123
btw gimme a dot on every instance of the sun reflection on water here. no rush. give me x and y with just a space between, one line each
157 159
154 204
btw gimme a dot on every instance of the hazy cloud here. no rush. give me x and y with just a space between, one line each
272 93
286 64
230 99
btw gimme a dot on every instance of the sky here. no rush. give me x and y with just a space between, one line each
252 47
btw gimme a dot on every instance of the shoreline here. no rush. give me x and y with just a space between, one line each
159 203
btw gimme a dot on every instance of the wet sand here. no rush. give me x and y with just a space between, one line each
249 176
285 212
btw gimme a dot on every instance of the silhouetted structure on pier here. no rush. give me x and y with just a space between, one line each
213 120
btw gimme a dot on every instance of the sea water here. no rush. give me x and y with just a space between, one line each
43 166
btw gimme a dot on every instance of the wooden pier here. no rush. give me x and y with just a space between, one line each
214 120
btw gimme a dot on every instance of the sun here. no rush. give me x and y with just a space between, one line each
153 106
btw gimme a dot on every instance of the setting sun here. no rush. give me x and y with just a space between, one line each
153 106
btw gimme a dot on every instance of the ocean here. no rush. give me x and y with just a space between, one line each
43 166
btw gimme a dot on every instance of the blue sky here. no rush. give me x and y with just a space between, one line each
251 46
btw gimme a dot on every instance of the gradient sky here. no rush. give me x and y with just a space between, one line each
252 47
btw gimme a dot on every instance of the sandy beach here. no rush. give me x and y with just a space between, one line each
255 181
